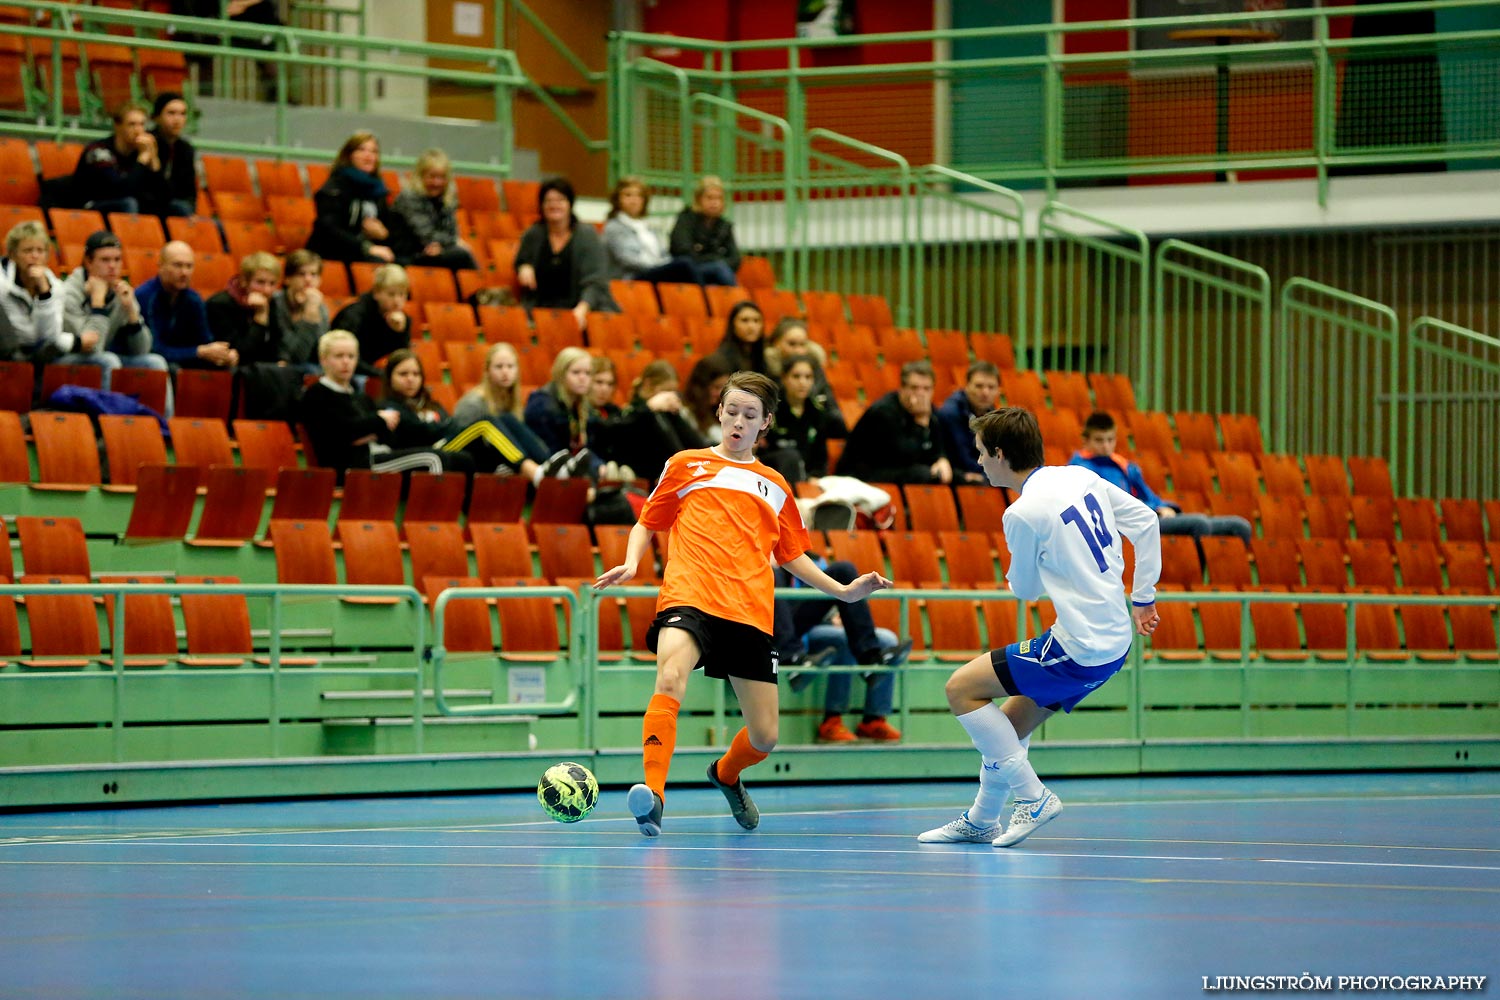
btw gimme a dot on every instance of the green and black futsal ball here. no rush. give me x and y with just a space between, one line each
567 792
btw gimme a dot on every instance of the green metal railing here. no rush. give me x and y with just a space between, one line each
1210 348
1451 402
493 69
1093 296
277 595
1304 99
1338 355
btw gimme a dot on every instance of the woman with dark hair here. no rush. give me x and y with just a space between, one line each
654 425
354 223
788 340
424 422
705 384
561 264
636 250
804 423
743 348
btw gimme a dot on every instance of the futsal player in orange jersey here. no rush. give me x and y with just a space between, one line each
729 518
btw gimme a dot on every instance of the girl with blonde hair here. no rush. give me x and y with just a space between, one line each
428 203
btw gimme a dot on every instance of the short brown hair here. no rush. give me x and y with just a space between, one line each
761 387
298 259
625 184
1014 432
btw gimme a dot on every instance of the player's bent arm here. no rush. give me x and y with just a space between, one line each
635 548
804 569
1140 524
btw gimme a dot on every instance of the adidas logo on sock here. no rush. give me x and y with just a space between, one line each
652 741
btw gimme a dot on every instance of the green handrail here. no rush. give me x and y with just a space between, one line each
1211 365
1060 159
1118 248
1326 336
907 299
1453 375
439 653
278 594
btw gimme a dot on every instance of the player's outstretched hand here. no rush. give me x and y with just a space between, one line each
611 577
1146 619
866 585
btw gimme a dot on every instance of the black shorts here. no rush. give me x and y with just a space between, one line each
725 648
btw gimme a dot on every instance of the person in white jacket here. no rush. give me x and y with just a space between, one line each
636 250
30 300
1064 532
98 300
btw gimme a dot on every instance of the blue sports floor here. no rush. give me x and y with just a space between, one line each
1140 889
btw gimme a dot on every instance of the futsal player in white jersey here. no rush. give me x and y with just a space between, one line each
1063 531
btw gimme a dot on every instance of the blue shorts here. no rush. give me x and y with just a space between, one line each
1041 670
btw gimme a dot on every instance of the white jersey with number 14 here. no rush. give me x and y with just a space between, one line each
1064 537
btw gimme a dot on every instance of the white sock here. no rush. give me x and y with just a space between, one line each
536 476
1005 764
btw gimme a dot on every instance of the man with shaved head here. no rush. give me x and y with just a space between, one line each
176 315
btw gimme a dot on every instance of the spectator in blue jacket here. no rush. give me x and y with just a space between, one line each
977 397
176 316
1098 453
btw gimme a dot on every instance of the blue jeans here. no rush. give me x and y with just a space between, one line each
880 688
106 360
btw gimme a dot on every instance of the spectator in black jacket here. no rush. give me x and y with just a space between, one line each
653 426
177 171
898 440
703 236
378 317
804 423
560 263
346 429
241 314
120 173
354 223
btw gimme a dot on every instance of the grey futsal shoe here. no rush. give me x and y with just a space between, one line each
740 803
646 806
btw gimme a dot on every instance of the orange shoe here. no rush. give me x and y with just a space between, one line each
834 731
877 729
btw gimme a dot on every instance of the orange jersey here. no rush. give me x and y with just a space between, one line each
728 522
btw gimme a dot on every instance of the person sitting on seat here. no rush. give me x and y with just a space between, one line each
346 429
299 312
121 172
242 313
1098 453
98 299
559 413
977 397
703 236
353 222
378 317
177 316
804 636
560 263
489 426
427 203
897 440
177 171
652 427
636 250
31 303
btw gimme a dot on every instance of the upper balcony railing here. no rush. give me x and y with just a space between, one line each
1289 93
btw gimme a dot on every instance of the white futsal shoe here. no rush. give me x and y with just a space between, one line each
961 831
1028 817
